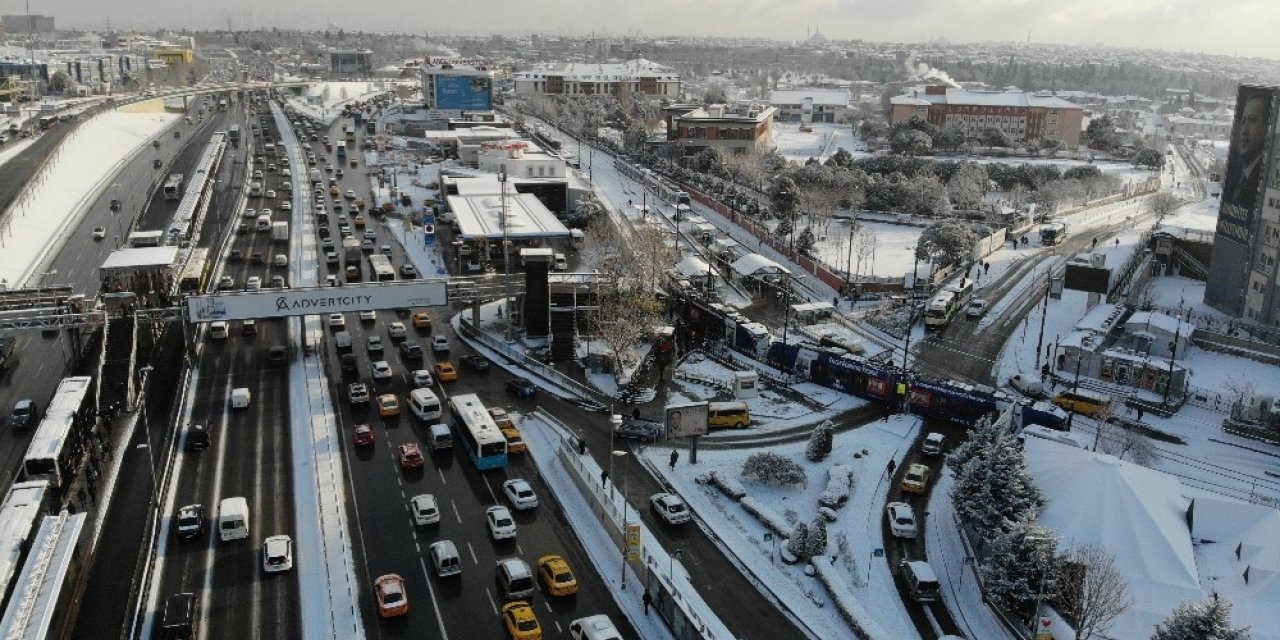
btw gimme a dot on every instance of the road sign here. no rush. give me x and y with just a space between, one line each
768 536
877 552
678 554
280 303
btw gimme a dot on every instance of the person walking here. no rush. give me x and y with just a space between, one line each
891 466
647 600
675 455
635 413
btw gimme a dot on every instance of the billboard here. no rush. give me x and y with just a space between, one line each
686 420
281 303
466 93
1082 277
1246 162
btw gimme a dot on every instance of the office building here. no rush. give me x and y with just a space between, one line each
1020 116
590 79
27 23
351 63
453 85
811 105
743 129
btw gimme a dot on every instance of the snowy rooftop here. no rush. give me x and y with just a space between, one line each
480 217
1240 556
133 258
1147 320
753 263
1101 318
601 71
983 98
819 96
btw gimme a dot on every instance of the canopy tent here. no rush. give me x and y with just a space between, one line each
692 267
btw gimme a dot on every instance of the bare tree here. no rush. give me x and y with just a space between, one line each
1091 591
630 268
1162 204
1121 440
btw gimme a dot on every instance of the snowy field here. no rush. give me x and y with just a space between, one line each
798 146
890 254
852 537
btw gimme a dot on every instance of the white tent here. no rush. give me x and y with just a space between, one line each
693 267
754 264
1239 552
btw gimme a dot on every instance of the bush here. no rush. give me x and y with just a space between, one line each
728 486
768 517
819 442
771 468
839 486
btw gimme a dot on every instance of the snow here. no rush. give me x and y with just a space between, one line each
798 146
323 101
69 182
893 255
13 148
740 535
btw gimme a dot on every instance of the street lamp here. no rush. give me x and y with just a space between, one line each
506 258
615 421
623 454
145 372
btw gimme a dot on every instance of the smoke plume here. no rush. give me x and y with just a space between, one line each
922 71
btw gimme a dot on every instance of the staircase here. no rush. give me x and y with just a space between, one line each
1190 265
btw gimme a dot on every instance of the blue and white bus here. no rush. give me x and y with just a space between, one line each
477 432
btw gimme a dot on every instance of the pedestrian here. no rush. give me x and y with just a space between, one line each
835 301
891 466
635 413
675 455
1139 414
604 477
888 411
647 600
986 267
582 446
1095 241
1117 242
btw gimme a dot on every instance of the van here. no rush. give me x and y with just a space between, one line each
577 239
933 443
597 627
1089 403
439 437
515 580
922 582
218 330
444 557
728 414
425 404
342 339
233 519
178 618
560 263
263 223
240 398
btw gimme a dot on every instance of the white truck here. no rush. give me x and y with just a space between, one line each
279 231
316 178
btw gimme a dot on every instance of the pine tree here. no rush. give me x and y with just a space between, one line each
1208 620
798 543
992 486
820 441
979 440
1017 570
816 543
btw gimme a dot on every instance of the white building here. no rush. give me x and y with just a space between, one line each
811 105
586 79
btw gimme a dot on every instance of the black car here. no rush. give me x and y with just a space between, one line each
197 437
646 430
236 255
277 354
522 388
191 521
24 414
410 351
257 258
349 363
475 362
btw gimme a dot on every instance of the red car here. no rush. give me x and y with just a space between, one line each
363 435
410 456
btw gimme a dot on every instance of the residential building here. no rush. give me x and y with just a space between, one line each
588 79
1198 128
27 23
456 85
811 105
1020 116
742 130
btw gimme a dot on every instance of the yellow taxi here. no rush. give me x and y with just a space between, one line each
422 320
445 372
915 479
500 417
333 191
521 622
557 576
388 405
515 441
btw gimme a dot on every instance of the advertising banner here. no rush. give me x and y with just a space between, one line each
467 93
633 541
686 420
1246 162
281 303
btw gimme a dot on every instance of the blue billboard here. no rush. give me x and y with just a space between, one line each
466 93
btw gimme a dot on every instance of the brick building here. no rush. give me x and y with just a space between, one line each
742 130
1020 116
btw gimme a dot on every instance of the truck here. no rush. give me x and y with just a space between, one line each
279 231
351 251
316 178
341 152
1053 233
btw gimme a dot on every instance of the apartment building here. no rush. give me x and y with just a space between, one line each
742 129
1020 116
588 79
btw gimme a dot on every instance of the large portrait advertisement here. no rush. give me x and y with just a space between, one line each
1251 134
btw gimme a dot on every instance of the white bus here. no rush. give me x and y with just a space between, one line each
479 434
57 448
381 267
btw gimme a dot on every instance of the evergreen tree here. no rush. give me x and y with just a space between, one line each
820 440
1017 571
816 542
798 543
1208 620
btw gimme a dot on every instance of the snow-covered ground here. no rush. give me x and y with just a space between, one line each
852 538
13 148
37 221
323 101
824 139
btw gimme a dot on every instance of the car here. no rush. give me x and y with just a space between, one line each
446 372
277 281
277 554
500 417
270 194
521 494
375 344
257 258
411 351
358 393
410 455
643 430
337 320
277 354
390 594
670 508
933 443
500 523
369 234
388 405
424 509
362 435
331 258
556 575
249 327
242 228
902 520
99 233
254 283
191 521
522 388
381 369
359 222
409 271
521 621
440 344
368 316
421 378
226 282
396 330
422 320
977 308
350 195
250 213
1028 385
286 206
327 243
366 246
915 479
236 255
475 362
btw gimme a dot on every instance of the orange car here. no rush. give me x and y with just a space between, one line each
422 320
392 599
445 372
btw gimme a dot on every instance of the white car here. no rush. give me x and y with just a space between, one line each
337 320
902 520
99 233
440 344
424 508
370 234
520 494
1028 385
381 370
977 308
254 283
350 195
271 194
368 316
250 213
396 330
375 344
670 507
277 554
422 378
286 205
500 523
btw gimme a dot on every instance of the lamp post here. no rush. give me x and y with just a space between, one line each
145 372
623 454
506 259
615 421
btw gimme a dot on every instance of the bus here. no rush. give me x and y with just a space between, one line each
173 187
22 512
1053 233
940 310
195 274
58 447
233 134
381 267
477 432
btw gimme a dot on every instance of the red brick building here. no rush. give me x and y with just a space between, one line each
1020 116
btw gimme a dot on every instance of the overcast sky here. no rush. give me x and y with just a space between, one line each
1232 27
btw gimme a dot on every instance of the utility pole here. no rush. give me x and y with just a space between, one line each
506 258
1043 315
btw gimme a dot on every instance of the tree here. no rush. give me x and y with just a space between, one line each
798 541
1161 204
950 137
1091 591
627 304
1149 158
59 82
967 186
992 488
1102 134
946 242
784 194
910 142
771 468
820 440
924 195
815 543
1208 620
1121 440
1017 571
993 137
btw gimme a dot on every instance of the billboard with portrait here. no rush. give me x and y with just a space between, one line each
686 420
1247 160
465 93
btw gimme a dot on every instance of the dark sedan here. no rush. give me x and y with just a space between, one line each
475 362
522 388
646 430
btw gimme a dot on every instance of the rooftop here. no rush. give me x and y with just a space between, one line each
480 215
962 97
820 96
601 71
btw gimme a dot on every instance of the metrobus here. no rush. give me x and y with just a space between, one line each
22 512
173 187
940 310
478 433
57 449
381 266
195 273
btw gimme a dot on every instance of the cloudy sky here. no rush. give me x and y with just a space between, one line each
1231 27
